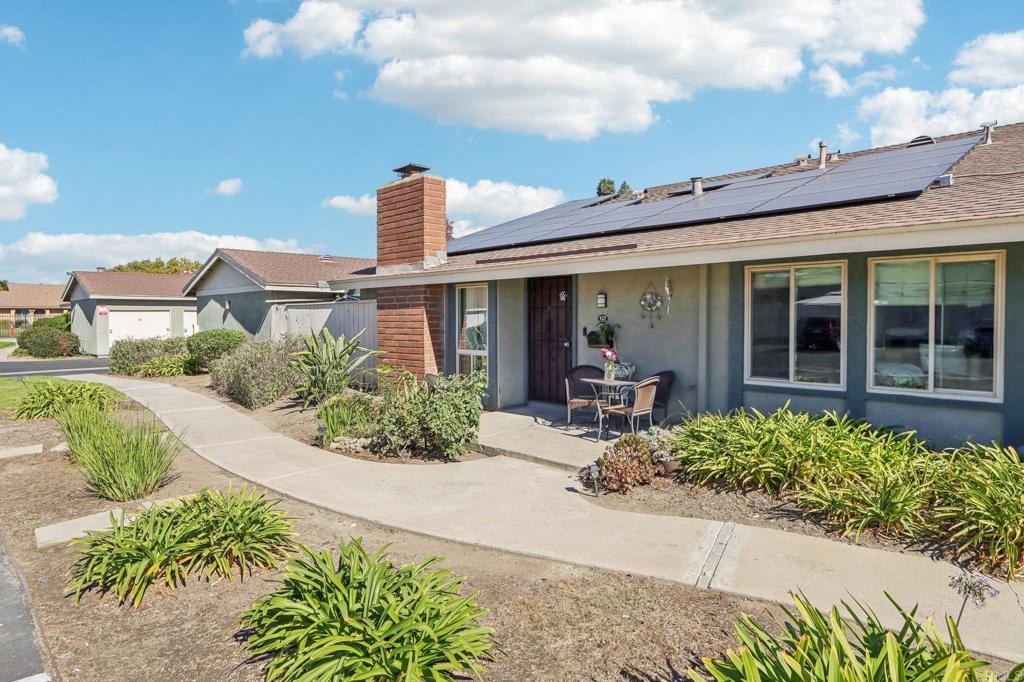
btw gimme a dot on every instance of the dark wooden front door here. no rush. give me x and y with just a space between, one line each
550 340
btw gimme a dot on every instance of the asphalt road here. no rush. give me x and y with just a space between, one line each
13 368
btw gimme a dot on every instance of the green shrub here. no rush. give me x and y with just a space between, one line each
48 399
981 506
165 366
256 373
328 366
60 322
206 347
348 414
435 421
120 460
360 617
210 534
47 341
129 355
850 647
625 464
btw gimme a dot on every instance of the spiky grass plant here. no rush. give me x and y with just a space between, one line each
848 645
211 534
981 506
48 399
360 617
120 460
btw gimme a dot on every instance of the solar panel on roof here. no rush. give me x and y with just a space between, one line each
880 175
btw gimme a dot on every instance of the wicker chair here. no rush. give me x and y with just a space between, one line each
580 395
643 404
661 396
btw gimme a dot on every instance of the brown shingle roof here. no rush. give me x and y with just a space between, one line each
988 183
116 284
301 269
34 296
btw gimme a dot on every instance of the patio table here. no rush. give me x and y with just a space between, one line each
606 390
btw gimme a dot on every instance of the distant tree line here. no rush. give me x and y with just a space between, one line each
171 266
606 186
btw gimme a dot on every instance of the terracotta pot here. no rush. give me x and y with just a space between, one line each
670 467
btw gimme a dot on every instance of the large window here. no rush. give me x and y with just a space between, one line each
794 324
936 325
471 352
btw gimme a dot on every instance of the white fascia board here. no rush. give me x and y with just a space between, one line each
961 233
122 297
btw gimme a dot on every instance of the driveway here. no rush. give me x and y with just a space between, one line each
16 367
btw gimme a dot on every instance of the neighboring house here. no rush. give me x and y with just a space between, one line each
887 284
23 304
109 306
266 293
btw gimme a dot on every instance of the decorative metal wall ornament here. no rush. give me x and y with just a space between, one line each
669 290
651 303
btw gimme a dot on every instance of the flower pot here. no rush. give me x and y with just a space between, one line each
609 371
670 467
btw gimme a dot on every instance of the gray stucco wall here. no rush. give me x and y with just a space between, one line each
944 421
248 312
84 323
511 343
670 344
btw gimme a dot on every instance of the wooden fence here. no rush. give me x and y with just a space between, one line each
339 317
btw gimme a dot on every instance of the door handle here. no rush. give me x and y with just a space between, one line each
566 343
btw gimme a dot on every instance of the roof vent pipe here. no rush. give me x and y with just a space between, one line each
822 154
697 186
987 126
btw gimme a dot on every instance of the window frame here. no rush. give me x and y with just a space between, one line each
460 352
748 279
998 325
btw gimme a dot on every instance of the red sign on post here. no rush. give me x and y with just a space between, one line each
101 310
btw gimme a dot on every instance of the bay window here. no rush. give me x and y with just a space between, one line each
795 322
936 324
471 350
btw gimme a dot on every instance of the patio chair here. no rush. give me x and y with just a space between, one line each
661 396
580 395
642 406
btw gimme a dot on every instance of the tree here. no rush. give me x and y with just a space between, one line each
605 186
159 266
3 285
624 188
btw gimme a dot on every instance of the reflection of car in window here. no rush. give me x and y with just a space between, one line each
978 340
820 333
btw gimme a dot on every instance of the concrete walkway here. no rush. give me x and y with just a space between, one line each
20 660
537 433
517 506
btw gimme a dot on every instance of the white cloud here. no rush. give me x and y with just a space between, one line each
991 60
39 257
363 205
470 207
833 84
228 187
580 68
846 135
12 35
318 26
900 114
22 182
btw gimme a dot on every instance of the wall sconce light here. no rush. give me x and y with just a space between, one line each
602 299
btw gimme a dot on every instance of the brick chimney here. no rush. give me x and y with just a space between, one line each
411 236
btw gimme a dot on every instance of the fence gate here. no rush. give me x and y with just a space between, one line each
338 317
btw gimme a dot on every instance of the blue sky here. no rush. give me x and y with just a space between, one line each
119 119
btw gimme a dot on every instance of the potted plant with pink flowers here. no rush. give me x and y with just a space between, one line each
611 360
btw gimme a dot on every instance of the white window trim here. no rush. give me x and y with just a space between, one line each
458 315
747 332
999 323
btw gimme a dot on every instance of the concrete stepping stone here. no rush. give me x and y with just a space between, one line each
59 447
65 531
20 450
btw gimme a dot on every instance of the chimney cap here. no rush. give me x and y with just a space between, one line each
411 169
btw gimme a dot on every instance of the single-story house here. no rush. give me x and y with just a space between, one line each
887 284
110 306
23 304
255 291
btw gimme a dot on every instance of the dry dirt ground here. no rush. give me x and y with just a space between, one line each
551 621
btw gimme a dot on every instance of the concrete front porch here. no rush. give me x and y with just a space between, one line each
536 432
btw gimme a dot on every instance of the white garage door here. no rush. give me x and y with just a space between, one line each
139 324
191 321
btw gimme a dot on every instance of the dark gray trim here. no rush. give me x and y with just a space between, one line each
794 389
1013 355
574 351
492 343
856 335
451 330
